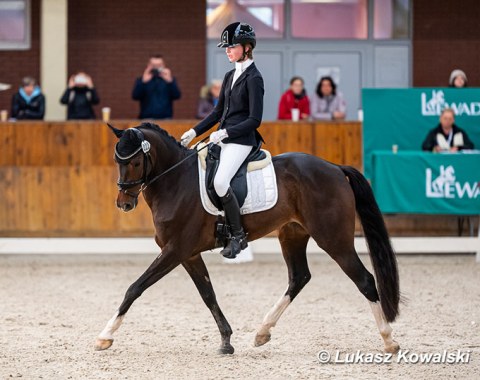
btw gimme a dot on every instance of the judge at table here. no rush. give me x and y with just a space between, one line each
447 136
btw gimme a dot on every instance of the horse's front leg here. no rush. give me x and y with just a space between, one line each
197 270
163 264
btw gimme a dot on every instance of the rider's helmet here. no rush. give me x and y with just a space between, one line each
237 33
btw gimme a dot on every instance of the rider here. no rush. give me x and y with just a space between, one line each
239 111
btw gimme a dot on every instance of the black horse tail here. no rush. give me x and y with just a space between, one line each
381 252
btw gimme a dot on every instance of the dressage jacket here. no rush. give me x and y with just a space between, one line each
239 109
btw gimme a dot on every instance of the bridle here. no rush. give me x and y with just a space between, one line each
144 148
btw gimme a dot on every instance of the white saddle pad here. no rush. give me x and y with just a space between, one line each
262 188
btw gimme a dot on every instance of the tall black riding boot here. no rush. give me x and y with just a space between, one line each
238 238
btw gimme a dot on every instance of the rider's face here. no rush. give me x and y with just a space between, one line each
234 53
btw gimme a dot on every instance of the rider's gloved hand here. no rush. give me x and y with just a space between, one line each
218 136
187 137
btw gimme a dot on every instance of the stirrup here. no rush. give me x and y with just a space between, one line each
236 244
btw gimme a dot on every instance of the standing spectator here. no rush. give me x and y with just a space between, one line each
327 103
208 98
80 96
446 136
294 97
156 90
28 102
458 79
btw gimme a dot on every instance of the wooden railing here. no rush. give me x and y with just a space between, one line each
58 178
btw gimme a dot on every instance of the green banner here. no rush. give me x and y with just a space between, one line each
426 183
403 117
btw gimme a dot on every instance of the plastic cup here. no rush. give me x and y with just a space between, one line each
106 114
394 148
3 115
295 114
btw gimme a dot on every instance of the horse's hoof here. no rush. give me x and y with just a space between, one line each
226 349
392 348
102 344
260 340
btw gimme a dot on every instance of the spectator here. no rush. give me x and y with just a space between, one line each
447 136
80 96
327 103
28 102
156 90
208 98
294 97
458 79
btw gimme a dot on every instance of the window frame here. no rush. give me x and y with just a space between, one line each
27 42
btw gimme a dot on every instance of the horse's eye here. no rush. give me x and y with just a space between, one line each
136 164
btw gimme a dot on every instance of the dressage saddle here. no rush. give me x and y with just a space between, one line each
239 181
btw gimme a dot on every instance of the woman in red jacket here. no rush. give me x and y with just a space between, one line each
294 97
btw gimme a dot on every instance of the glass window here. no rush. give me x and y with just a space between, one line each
14 24
335 19
266 17
390 19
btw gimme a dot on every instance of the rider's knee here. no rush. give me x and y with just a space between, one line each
221 186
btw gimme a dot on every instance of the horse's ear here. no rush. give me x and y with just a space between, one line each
118 132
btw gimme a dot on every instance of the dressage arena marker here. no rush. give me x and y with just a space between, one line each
402 245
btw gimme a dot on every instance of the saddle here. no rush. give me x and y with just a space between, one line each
257 159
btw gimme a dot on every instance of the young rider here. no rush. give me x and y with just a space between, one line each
239 111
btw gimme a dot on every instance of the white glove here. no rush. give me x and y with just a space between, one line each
187 137
218 136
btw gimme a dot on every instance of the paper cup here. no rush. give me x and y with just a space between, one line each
295 114
106 114
3 115
394 148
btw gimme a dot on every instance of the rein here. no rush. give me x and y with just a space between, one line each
144 181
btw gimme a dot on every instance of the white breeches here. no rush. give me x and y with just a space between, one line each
232 157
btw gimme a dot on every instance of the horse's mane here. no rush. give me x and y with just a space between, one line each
130 142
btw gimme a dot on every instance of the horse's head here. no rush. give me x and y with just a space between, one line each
133 156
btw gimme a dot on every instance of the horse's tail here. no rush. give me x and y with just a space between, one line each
381 252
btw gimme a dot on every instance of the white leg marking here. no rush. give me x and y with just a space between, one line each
383 327
274 315
112 326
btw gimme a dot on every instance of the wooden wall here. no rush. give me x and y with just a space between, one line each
59 178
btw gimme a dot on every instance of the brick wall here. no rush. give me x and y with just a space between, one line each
446 36
14 65
112 41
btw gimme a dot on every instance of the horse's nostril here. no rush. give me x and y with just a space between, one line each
127 207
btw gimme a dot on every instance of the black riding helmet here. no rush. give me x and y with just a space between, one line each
237 33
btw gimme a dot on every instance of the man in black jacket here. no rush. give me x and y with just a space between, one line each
447 136
29 102
156 90
80 96
239 111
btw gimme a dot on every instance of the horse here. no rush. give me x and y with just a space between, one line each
316 199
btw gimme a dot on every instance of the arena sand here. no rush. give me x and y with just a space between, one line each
52 308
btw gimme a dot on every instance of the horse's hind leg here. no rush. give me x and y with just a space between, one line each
347 258
162 265
293 239
197 270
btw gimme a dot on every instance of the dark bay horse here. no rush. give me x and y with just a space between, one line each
316 199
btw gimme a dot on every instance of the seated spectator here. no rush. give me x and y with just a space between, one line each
458 79
208 98
327 103
29 102
447 137
80 96
156 90
294 97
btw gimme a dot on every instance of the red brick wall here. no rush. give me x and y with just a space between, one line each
16 64
446 36
112 41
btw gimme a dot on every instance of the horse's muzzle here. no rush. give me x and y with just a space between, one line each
126 202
